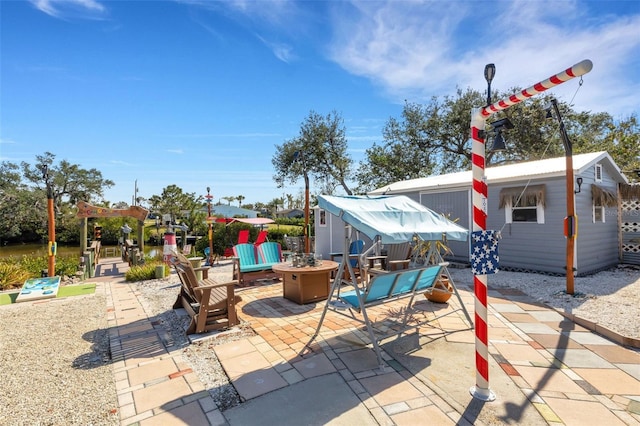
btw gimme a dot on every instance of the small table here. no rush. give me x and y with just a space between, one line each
306 284
381 259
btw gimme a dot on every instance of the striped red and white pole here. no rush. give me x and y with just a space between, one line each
577 70
479 116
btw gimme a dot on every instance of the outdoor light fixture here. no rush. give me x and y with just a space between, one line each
298 156
498 143
548 109
489 73
498 126
579 182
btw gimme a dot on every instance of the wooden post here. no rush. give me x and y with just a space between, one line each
83 235
141 235
52 236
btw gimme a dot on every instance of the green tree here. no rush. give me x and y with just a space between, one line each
323 146
229 199
240 198
69 182
599 132
66 184
18 205
433 139
174 202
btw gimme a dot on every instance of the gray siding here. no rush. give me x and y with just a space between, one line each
455 206
532 246
597 243
330 238
539 246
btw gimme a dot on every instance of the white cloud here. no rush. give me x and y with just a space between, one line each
121 163
70 8
282 51
414 50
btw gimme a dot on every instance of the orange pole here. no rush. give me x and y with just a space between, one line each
210 233
307 234
52 238
572 225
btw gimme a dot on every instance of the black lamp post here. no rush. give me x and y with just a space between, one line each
299 156
571 223
489 73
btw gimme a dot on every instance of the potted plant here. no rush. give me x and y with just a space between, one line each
432 253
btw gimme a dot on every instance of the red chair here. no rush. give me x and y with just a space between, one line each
243 236
262 237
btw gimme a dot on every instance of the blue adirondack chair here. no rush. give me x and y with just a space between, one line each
355 247
248 262
270 252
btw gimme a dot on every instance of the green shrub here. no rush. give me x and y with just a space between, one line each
12 275
145 272
14 271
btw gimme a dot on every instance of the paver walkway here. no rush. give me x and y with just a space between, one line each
545 369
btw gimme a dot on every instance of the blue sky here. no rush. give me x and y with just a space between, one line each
198 93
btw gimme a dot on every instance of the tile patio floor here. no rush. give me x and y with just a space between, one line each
564 373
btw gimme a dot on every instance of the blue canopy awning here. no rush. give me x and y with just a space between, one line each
396 219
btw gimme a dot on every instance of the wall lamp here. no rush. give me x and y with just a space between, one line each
579 182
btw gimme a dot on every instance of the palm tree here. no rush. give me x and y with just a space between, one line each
240 198
229 199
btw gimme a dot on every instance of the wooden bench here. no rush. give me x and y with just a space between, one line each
211 305
383 288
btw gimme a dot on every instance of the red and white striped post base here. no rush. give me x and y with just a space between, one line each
479 116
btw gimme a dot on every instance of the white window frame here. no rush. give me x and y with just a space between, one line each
602 213
322 218
597 172
508 213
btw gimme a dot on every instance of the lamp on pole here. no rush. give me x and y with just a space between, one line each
489 73
51 270
299 156
157 231
479 209
210 222
571 221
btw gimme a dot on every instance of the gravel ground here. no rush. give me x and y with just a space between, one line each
55 356
611 298
55 368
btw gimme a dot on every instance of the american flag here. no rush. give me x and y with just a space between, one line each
484 252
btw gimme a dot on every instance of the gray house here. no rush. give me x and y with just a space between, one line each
527 203
290 213
232 211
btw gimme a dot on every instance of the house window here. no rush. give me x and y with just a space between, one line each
598 172
323 217
598 214
524 211
602 197
523 204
